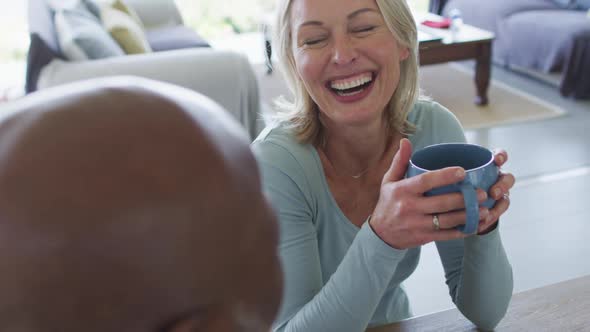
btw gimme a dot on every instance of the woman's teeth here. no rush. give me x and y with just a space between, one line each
351 86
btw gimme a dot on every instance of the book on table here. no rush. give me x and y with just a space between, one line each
425 37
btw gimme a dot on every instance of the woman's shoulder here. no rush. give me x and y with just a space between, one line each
276 134
279 139
434 124
426 110
277 145
287 163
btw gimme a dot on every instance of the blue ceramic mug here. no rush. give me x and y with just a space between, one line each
480 172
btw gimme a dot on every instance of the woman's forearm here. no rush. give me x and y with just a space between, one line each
486 285
348 299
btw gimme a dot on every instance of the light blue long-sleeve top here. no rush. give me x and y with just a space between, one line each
339 277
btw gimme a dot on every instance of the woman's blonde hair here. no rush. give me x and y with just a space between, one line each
302 114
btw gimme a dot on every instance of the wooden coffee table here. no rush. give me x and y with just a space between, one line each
441 45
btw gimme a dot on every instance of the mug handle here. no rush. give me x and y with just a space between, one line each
471 208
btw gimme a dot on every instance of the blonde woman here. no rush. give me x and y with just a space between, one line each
333 166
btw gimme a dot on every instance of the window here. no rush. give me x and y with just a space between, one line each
215 18
218 18
14 42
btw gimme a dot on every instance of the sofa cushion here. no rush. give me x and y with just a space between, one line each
488 15
44 45
170 38
552 41
81 35
39 55
550 48
125 28
582 4
573 4
563 3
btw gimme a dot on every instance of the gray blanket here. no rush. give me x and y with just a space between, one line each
536 34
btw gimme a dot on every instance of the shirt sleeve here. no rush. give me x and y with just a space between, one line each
477 270
345 302
479 277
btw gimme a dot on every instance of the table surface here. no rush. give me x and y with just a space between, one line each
467 43
466 34
563 306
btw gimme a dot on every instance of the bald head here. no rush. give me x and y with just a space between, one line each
130 205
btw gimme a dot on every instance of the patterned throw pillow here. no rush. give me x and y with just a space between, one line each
81 35
125 27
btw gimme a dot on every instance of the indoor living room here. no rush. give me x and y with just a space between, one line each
539 114
545 134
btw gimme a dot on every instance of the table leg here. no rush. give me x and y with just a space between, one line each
483 69
267 49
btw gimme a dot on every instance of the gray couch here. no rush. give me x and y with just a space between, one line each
537 35
181 57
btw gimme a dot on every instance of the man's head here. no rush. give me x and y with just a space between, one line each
131 205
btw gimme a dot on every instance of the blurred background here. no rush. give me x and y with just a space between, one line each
215 20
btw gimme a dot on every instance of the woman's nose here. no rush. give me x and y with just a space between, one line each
343 51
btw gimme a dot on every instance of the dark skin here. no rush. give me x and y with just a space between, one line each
124 209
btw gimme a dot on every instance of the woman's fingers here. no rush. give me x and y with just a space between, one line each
400 161
450 220
502 186
500 157
427 181
447 202
501 206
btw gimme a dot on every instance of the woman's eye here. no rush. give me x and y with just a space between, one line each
312 42
364 29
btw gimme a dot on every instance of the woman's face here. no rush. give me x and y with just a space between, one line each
346 57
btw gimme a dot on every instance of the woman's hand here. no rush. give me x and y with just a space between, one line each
403 217
500 191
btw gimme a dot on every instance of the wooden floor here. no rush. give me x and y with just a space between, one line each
546 232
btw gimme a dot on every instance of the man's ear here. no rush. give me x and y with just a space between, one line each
208 320
194 323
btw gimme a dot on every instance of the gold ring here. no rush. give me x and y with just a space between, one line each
435 222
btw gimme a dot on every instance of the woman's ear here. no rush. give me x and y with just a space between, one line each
404 53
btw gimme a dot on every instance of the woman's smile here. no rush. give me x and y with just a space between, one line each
347 58
352 88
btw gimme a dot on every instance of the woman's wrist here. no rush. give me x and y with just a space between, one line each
375 227
489 229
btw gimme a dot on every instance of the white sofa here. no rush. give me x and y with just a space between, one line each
226 77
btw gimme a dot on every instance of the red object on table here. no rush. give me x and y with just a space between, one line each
443 23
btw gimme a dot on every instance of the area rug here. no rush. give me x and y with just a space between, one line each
452 86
